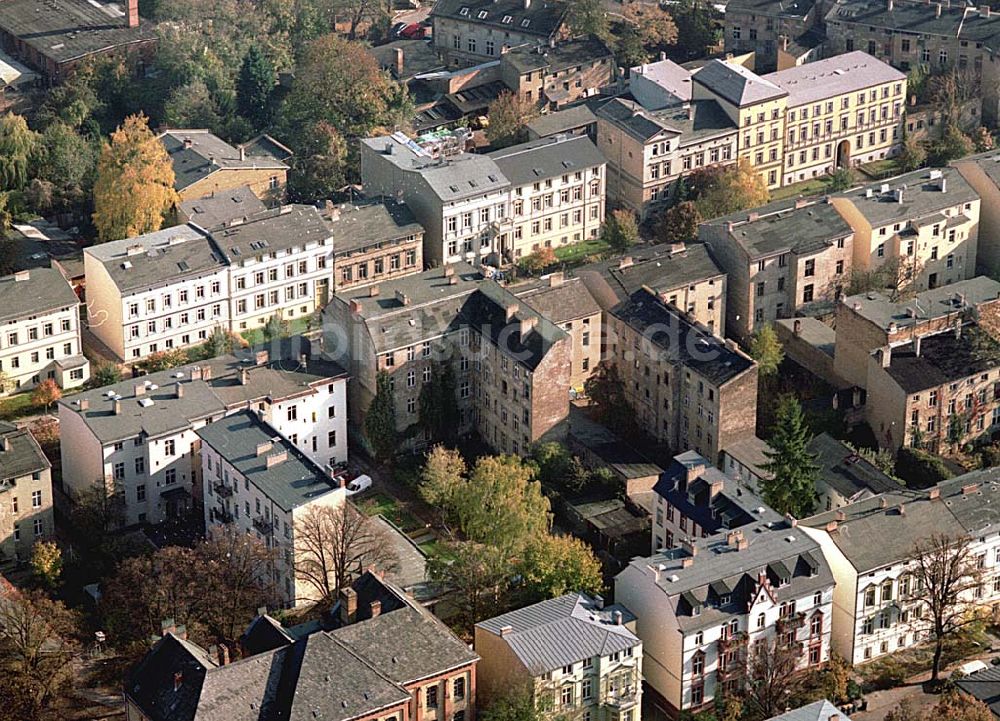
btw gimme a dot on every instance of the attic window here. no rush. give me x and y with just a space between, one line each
507 19
463 11
493 178
526 22
696 610
538 172
184 266
453 188
127 265
472 183
482 14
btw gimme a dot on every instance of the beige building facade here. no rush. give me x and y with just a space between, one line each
25 495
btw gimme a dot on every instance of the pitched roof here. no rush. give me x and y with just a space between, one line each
737 84
290 227
697 122
540 17
823 79
662 268
562 631
358 227
197 153
65 30
817 711
781 8
34 292
943 358
785 225
546 158
670 76
845 471
152 683
563 121
922 196
224 206
24 457
983 685
559 301
925 305
750 452
914 16
566 54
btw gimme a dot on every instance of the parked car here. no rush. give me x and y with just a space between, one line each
397 29
413 31
359 484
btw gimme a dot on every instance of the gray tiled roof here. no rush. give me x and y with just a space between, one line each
924 306
954 21
662 268
68 29
781 227
817 711
822 79
151 683
845 471
209 153
545 158
983 685
363 226
565 55
559 303
45 289
289 484
164 256
735 83
285 228
699 121
668 75
943 358
750 452
24 457
563 121
563 631
224 206
454 178
544 17
922 196
780 8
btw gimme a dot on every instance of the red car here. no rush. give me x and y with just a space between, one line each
413 31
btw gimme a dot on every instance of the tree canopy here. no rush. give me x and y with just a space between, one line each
765 348
509 115
720 190
792 488
380 420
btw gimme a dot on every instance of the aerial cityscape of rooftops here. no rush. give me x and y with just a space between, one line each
499 360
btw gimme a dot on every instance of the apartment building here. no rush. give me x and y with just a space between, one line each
907 33
467 32
163 290
25 494
869 321
982 172
694 499
557 190
511 365
780 258
580 657
938 391
138 438
875 609
462 200
264 486
927 221
684 275
745 459
205 164
660 84
568 304
220 208
688 388
757 107
556 76
762 27
40 331
840 111
648 150
389 659
374 242
703 607
280 263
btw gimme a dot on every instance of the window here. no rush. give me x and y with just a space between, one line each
458 689
292 413
887 591
140 492
140 465
432 697
870 596
36 499
698 664
170 476
37 527
761 620
566 696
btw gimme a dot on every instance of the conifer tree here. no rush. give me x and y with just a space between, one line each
792 489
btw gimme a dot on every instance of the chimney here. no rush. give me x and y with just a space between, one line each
733 538
355 307
373 291
264 447
527 324
167 625
625 262
449 271
206 373
179 389
276 459
196 373
188 143
244 376
118 407
934 494
831 526
958 329
134 250
883 502
376 608
510 311
304 361
223 654
616 615
261 357
140 389
402 298
687 562
801 203
688 545
969 489
6 444
693 472
243 153
132 13
556 279
792 521
598 601
889 6
716 488
937 11
348 605
885 355
797 326
22 275
398 56
751 217
902 509
506 631
527 4
916 345
984 10
840 516
944 185
690 112
84 404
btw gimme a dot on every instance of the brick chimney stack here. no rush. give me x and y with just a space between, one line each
132 13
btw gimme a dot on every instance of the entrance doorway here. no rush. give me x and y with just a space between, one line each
844 154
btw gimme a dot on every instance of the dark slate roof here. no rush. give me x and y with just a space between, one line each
662 268
718 569
544 158
565 55
681 340
209 153
922 196
158 258
264 634
845 471
418 57
41 290
562 631
560 302
371 587
983 685
737 84
699 121
927 305
65 30
563 121
839 75
245 690
731 506
222 207
359 227
24 457
920 18
151 683
817 711
943 359
542 17
781 227
779 8
285 228
291 483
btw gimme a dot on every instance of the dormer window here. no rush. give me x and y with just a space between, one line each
464 12
507 19
526 22
696 610
482 14
724 599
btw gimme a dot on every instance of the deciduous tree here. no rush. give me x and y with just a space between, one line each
765 348
380 420
501 504
135 182
509 115
723 190
478 577
792 488
442 477
46 564
771 678
620 230
553 565
46 393
957 706
17 146
679 224
588 17
320 165
655 25
913 154
537 261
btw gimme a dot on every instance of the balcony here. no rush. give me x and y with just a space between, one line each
223 491
733 641
221 515
622 699
792 622
263 526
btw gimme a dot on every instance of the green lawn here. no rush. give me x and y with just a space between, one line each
881 168
814 186
577 252
296 326
378 503
436 549
16 406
